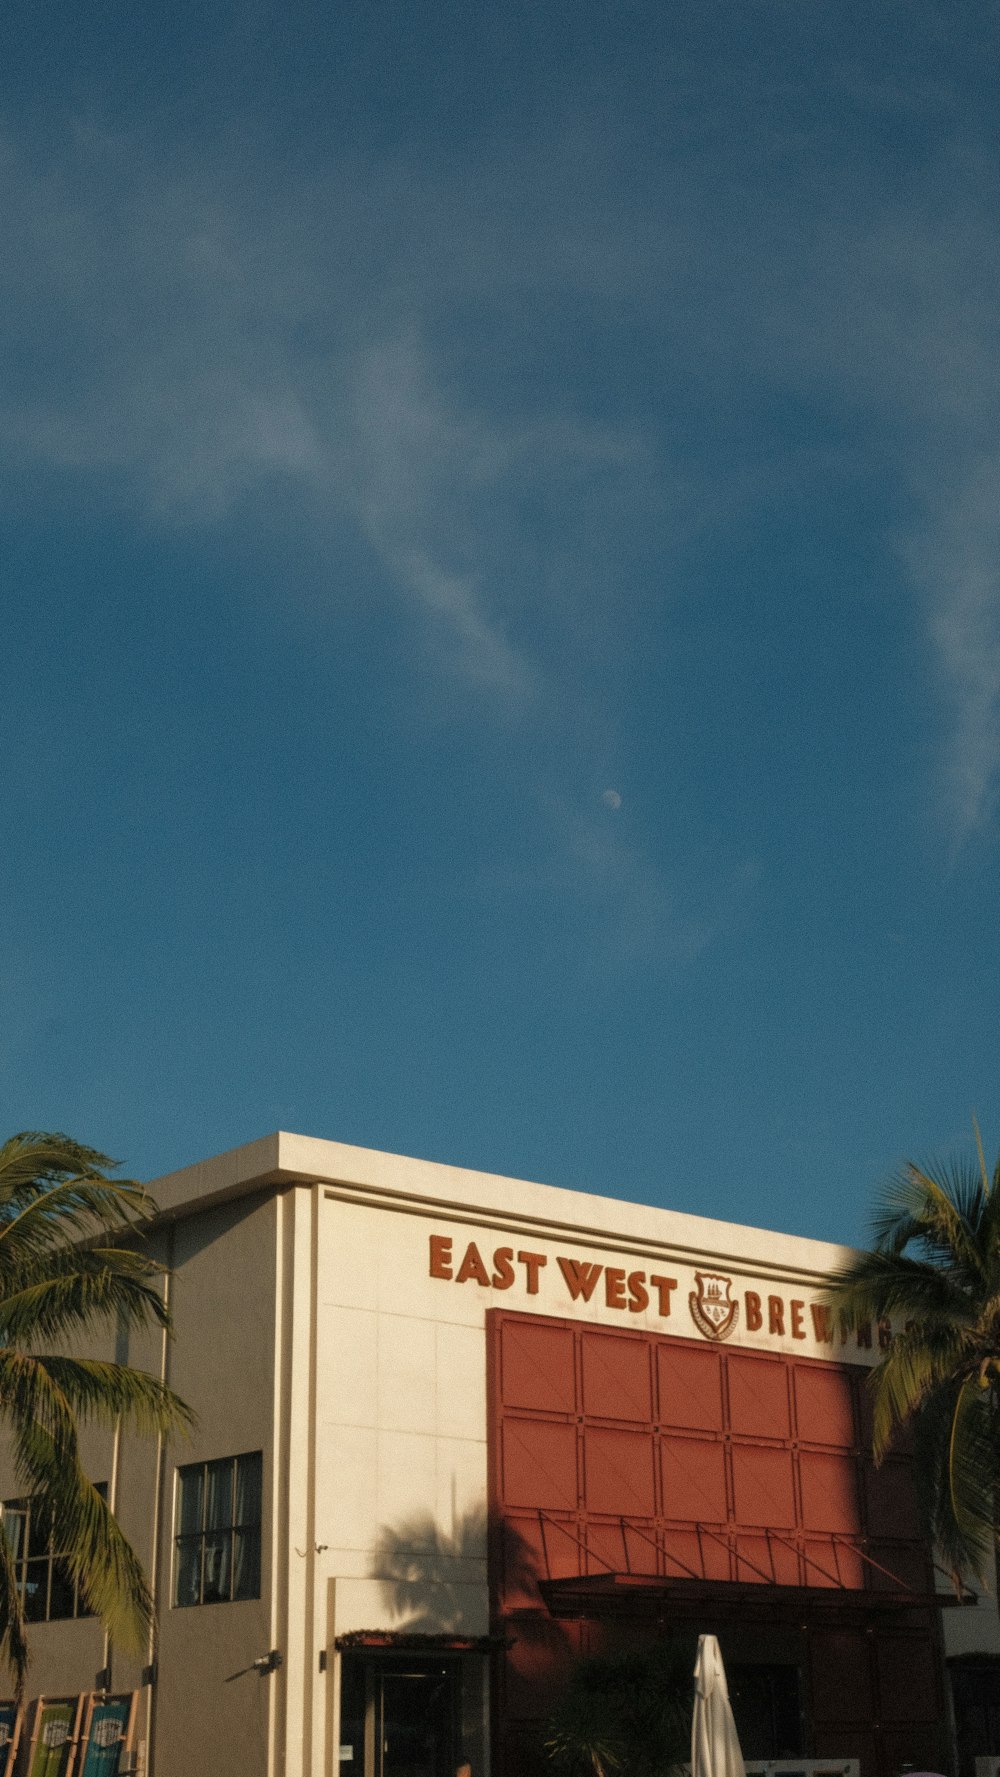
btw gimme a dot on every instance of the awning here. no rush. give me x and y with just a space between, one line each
645 1595
399 1641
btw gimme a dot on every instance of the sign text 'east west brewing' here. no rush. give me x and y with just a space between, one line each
712 1306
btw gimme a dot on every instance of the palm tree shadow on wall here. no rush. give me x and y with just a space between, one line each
426 1573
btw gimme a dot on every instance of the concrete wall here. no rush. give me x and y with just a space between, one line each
315 1322
221 1361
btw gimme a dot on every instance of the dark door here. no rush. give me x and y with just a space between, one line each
414 1722
399 1716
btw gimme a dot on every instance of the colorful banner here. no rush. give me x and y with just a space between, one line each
106 1731
10 1733
53 1739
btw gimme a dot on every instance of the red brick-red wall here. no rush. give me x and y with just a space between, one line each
625 1450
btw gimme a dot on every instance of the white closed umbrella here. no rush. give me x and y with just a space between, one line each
715 1745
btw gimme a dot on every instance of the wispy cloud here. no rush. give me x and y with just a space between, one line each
956 561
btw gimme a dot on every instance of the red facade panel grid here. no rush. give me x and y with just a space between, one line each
539 1464
524 1559
758 1395
694 1479
830 1493
616 1377
763 1487
618 1470
824 1408
842 1677
767 1560
891 1501
537 1366
632 1453
829 1562
690 1387
608 1550
693 1553
907 1679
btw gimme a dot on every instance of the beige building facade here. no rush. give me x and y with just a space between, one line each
373 1346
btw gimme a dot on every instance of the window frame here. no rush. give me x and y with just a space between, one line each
54 1559
226 1534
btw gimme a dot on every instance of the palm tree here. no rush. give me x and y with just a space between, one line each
626 1714
934 1271
71 1266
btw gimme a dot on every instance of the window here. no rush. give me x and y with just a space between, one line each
48 1590
217 1545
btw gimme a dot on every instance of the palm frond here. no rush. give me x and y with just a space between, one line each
106 1393
972 1466
80 1291
34 1157
36 1222
33 1403
964 1550
917 1362
98 1554
938 1210
881 1284
71 1262
13 1629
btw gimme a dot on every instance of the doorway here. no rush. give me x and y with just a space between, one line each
399 1716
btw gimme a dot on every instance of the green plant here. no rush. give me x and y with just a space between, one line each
628 1713
72 1266
934 1271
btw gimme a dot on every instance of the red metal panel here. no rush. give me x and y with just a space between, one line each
694 1479
838 1742
536 1364
830 1493
824 1405
690 1384
830 1563
761 1560
616 1378
618 1467
840 1670
728 1445
891 1500
537 1666
920 1746
907 1678
539 1464
758 1395
689 1553
608 1550
908 1564
523 1563
763 1486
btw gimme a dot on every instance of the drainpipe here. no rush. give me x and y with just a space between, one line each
154 1566
106 1679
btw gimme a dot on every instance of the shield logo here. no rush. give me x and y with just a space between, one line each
712 1308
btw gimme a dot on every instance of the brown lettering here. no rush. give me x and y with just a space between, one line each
614 1287
863 1335
752 1304
472 1266
440 1255
798 1311
663 1287
638 1294
822 1321
503 1270
775 1315
581 1278
532 1263
884 1335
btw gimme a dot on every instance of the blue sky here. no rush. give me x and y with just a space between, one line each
500 531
